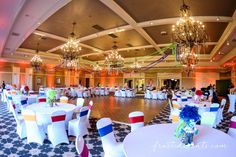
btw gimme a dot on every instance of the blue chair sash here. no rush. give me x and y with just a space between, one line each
184 99
105 130
214 109
9 97
83 113
23 102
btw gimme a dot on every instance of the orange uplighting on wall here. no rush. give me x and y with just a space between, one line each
204 79
50 80
22 79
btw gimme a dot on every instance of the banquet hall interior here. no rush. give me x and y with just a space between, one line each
117 78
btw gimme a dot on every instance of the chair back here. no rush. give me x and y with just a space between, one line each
80 102
214 107
222 104
64 99
90 106
208 118
184 99
136 119
42 99
23 101
81 147
41 93
58 119
175 104
106 133
82 116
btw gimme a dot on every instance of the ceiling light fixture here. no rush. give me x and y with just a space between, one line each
36 60
71 50
189 36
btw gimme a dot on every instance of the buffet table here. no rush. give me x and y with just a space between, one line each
159 140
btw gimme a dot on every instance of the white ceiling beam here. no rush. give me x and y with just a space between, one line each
136 47
227 57
125 16
49 35
227 32
30 17
150 23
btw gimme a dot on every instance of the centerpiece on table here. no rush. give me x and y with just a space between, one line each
187 127
51 97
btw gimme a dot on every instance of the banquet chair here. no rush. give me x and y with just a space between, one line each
102 91
129 93
176 105
57 130
9 101
31 92
110 146
80 102
42 99
34 132
123 93
107 91
63 99
155 95
136 119
161 95
90 106
85 93
58 94
184 99
42 93
219 116
232 127
214 107
78 126
175 115
32 99
97 92
148 94
118 93
23 103
209 118
20 123
81 147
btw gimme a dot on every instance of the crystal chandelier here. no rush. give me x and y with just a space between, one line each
36 61
97 67
71 65
114 61
190 36
70 50
135 66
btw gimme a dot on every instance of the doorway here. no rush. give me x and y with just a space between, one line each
172 83
87 80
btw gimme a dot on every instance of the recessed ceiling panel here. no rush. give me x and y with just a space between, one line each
145 10
88 14
214 31
44 43
123 39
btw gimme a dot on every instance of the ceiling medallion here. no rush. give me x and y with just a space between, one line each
114 61
70 51
190 36
36 60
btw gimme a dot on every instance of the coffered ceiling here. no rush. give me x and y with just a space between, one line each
140 27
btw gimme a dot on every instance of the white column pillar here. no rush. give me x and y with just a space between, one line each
16 76
29 77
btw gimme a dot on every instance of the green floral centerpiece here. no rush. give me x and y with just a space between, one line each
51 97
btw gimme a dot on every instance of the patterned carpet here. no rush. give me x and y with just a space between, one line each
12 146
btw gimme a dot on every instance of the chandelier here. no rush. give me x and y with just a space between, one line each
114 61
97 67
190 36
135 66
70 50
36 61
71 65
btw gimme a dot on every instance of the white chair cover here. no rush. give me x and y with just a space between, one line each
90 106
110 146
136 119
78 127
57 130
34 132
81 147
64 99
80 102
232 127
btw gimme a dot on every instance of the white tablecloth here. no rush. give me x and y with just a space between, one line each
44 111
158 140
232 100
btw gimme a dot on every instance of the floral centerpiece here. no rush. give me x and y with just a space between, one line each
51 97
26 90
187 127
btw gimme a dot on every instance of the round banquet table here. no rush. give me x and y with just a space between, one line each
158 140
43 112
